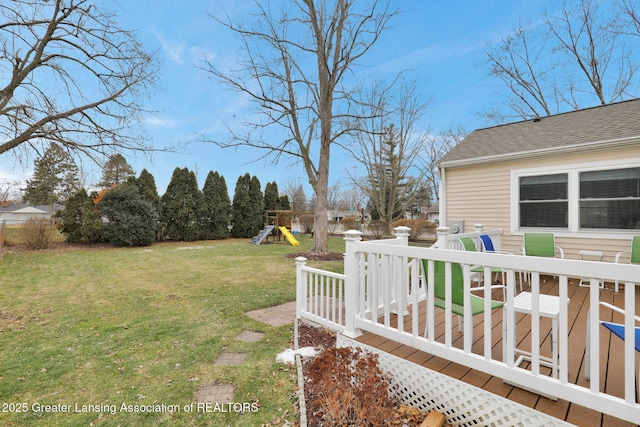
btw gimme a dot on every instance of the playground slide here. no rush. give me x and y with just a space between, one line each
289 236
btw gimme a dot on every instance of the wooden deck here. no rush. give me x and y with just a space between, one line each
611 354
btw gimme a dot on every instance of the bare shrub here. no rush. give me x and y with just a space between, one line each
378 228
417 226
38 233
351 389
333 226
306 222
349 223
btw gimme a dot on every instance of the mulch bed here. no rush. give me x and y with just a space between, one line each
329 256
321 339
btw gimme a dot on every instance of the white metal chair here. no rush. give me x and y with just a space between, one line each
634 254
488 246
478 271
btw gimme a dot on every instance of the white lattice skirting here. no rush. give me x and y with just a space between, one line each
463 404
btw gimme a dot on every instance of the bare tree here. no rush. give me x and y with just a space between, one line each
577 57
434 149
296 64
631 15
5 192
586 33
297 199
335 197
518 61
70 76
387 144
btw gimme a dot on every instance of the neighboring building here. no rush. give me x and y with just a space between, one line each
576 174
340 214
21 213
433 212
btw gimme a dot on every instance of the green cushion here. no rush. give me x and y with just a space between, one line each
635 250
481 270
468 244
477 305
457 290
539 244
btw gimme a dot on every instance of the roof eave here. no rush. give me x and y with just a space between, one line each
597 145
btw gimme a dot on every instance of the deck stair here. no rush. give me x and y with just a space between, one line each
256 240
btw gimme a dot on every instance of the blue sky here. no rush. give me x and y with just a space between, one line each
440 43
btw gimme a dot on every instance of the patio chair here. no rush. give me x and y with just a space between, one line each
541 244
470 246
457 291
634 254
489 247
616 329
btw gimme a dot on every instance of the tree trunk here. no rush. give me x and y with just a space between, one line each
321 188
320 225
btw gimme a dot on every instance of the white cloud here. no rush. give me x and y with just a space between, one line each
160 121
14 176
175 51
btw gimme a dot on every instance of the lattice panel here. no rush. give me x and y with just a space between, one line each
463 404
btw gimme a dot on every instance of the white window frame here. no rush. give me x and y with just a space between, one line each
573 194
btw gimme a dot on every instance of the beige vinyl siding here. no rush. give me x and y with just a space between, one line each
480 194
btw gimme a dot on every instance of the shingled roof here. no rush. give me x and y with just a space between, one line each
602 124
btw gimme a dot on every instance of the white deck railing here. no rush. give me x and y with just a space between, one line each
384 278
320 296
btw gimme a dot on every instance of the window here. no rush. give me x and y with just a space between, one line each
544 201
610 199
580 198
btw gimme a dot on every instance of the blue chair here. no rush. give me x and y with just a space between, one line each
487 243
617 330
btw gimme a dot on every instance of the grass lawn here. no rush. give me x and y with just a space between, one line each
144 326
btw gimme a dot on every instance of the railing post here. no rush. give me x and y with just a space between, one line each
477 228
442 233
402 233
301 286
351 303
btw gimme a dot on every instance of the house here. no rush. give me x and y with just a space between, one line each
576 174
433 212
18 213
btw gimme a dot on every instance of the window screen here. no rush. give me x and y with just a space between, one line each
544 201
610 199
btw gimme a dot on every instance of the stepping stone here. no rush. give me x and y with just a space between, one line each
250 336
230 359
222 393
278 315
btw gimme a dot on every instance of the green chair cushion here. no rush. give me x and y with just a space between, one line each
635 250
477 305
539 244
457 290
